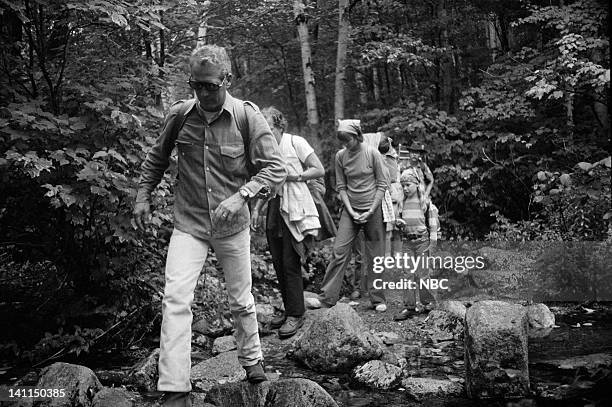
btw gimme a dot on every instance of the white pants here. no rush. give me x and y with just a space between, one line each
186 256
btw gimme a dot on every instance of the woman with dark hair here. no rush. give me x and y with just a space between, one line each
292 216
361 180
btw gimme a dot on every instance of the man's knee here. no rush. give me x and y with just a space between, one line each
242 307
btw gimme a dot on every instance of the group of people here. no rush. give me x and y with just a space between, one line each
234 160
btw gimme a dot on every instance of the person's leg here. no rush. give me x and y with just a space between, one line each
409 296
275 244
332 282
374 247
234 254
421 246
292 270
354 274
186 257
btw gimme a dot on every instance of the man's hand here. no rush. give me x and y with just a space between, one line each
142 215
255 219
228 209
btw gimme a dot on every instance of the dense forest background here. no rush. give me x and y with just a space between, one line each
510 97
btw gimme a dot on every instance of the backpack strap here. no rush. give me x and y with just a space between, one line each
181 115
242 124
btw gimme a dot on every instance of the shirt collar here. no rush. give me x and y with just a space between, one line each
228 105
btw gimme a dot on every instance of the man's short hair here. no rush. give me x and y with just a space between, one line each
211 54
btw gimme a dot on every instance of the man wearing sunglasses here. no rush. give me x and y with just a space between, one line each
210 210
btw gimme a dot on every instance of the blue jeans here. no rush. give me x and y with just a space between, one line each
186 257
374 233
416 248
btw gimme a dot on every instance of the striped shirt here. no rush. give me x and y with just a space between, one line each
414 217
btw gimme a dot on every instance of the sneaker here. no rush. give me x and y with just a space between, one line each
290 327
402 315
381 307
176 399
255 373
278 321
355 295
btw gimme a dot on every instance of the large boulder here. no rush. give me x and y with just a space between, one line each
337 341
454 307
423 387
282 393
224 344
444 325
378 375
541 320
496 350
143 375
223 368
79 382
113 397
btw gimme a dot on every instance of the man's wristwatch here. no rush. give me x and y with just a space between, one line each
244 193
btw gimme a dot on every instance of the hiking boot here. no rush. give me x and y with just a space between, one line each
176 399
403 315
278 321
355 295
290 327
255 373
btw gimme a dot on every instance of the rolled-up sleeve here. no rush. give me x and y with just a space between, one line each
158 158
265 155
380 171
340 176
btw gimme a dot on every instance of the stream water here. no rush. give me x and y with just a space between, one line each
446 360
579 332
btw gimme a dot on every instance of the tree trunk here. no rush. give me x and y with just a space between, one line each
444 67
202 30
376 83
343 33
493 42
203 27
363 88
301 22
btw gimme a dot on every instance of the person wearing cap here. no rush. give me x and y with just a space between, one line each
419 226
413 158
361 180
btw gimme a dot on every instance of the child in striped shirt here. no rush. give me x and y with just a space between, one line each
419 224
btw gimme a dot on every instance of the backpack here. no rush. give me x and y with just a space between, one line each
241 123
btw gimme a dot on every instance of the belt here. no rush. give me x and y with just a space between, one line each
413 236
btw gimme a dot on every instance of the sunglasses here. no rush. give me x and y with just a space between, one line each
208 86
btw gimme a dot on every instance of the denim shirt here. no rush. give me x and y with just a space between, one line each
212 166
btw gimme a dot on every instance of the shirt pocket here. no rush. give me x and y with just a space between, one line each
233 158
190 158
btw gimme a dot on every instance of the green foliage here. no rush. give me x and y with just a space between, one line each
579 54
575 271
